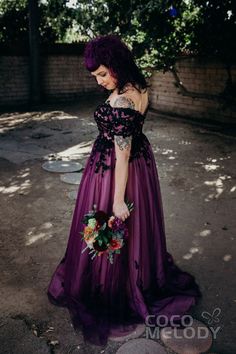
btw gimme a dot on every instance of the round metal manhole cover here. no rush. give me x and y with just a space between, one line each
71 178
62 166
195 338
141 346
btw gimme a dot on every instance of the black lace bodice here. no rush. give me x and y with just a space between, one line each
121 121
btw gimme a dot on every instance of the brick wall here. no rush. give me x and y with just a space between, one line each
14 80
63 77
203 81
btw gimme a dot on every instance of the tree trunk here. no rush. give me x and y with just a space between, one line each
34 59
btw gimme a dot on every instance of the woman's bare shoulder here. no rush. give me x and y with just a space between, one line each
124 101
130 94
130 97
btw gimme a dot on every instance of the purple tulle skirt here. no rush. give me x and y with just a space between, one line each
106 299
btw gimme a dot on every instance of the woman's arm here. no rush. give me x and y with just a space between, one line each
120 208
122 151
122 148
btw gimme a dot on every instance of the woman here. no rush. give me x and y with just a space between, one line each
111 299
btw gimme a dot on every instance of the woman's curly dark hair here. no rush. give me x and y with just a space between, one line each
110 51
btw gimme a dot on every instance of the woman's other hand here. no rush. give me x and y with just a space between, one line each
121 210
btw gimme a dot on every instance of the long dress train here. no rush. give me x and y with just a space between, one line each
106 299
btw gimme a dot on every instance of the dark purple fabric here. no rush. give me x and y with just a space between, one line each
109 299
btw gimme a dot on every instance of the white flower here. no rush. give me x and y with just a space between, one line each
92 222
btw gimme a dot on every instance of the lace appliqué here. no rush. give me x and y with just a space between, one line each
121 121
104 146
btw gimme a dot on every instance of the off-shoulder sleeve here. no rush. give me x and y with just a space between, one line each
123 121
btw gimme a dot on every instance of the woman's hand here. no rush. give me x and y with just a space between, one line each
121 210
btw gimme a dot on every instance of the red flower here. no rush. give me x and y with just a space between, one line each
115 244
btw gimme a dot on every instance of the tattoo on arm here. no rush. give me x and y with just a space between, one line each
124 102
123 143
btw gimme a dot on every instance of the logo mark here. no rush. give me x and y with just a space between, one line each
214 317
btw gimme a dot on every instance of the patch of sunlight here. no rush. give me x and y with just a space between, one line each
211 167
211 159
194 250
218 184
225 177
22 187
60 117
171 158
89 123
76 151
46 225
224 158
34 238
191 252
227 257
166 151
209 197
205 233
185 142
10 122
9 190
187 256
23 175
233 189
19 119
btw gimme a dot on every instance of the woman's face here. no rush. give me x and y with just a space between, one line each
104 77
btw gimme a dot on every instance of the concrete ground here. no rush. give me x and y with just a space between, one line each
196 166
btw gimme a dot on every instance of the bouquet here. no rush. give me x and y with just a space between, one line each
103 233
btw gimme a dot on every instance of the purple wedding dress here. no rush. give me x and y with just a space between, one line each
106 299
